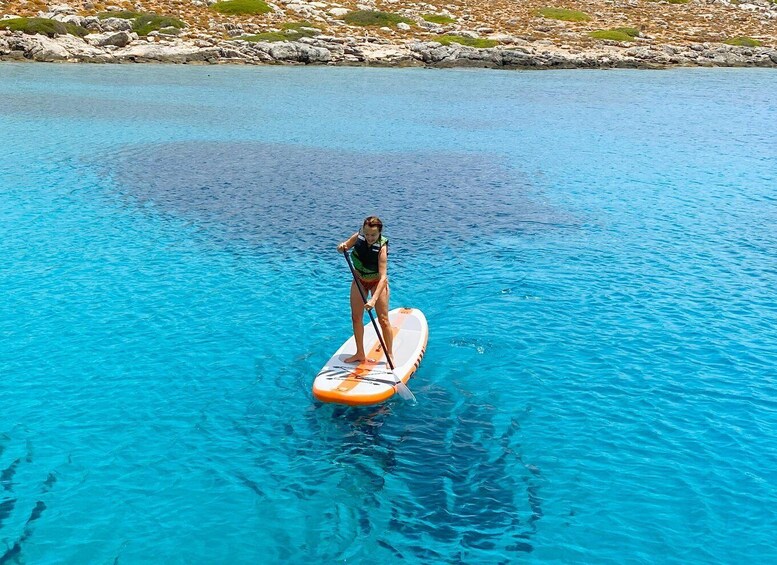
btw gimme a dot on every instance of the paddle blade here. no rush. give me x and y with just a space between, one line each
405 392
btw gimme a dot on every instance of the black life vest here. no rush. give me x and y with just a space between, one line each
365 257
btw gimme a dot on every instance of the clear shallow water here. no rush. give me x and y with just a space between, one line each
595 253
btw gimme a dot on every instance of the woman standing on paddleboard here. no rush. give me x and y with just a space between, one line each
370 258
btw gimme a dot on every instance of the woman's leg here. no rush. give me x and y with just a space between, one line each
357 317
382 308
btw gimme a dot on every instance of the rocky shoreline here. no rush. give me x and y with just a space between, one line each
122 47
112 41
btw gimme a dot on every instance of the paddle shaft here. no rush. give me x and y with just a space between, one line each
364 299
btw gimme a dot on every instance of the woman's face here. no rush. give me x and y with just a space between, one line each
371 234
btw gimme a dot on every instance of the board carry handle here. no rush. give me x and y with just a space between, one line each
401 387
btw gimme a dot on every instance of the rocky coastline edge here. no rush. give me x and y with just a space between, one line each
116 42
121 47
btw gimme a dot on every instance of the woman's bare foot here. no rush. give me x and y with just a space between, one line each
356 358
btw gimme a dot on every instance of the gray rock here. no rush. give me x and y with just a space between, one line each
257 52
61 9
285 51
640 52
295 52
166 53
383 54
442 53
331 39
336 52
116 24
63 48
317 54
503 38
230 53
82 51
92 23
70 19
430 26
517 58
117 39
465 33
42 48
471 57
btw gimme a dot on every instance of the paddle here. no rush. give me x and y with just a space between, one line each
401 387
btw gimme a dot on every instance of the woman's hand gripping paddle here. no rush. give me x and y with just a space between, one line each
401 387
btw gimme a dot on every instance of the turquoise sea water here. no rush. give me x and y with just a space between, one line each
596 254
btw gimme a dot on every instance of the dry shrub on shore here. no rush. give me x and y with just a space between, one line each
43 26
241 7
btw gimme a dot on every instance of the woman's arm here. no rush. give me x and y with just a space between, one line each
348 243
